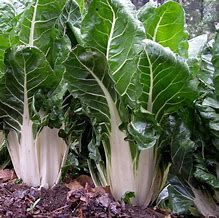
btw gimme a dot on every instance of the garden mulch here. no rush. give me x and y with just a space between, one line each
77 198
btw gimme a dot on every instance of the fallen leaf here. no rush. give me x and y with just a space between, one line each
84 180
6 175
74 185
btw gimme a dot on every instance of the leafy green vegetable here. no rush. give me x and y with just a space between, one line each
31 67
37 21
26 71
107 25
163 88
7 24
69 22
180 204
165 25
115 71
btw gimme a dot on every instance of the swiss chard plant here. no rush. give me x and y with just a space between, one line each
128 80
31 52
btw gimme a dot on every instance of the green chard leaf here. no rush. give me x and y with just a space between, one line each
69 22
87 74
180 204
165 25
27 71
7 14
112 27
182 148
7 24
38 26
165 79
206 72
204 176
37 21
208 109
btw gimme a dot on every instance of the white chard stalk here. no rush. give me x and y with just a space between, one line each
121 173
37 161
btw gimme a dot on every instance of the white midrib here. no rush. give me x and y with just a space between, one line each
28 151
33 21
150 94
26 109
121 180
111 32
109 99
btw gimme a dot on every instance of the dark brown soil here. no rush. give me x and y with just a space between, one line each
19 200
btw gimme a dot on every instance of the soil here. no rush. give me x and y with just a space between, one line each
77 198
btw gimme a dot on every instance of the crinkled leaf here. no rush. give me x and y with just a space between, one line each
37 21
182 148
59 47
165 25
113 28
70 22
20 5
7 14
6 40
179 204
7 23
165 79
87 72
182 186
208 109
206 72
35 26
178 136
206 177
27 71
144 130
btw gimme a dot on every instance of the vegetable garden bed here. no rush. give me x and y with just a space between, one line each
78 198
114 92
